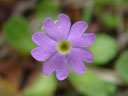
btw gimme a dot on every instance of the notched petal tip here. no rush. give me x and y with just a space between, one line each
90 58
42 53
81 24
63 73
35 35
48 22
64 22
92 35
42 39
34 56
46 72
63 16
77 30
82 71
61 78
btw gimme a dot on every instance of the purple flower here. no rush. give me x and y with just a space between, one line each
62 45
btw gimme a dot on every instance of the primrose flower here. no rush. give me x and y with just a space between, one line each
62 45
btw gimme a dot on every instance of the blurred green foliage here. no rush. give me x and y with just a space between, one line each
104 49
110 20
106 13
122 65
91 85
107 17
49 9
103 3
18 34
43 86
87 12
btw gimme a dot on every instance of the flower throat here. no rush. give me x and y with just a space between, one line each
64 47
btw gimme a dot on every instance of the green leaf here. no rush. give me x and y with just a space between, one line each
47 8
101 4
109 20
91 85
43 86
104 49
18 34
87 13
122 65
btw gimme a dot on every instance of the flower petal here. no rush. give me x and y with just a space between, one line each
76 58
77 66
77 29
41 39
64 24
85 40
60 30
56 63
43 53
49 66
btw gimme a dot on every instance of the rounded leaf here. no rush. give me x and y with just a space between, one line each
104 49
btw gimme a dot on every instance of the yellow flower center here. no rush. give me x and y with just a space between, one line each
64 47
